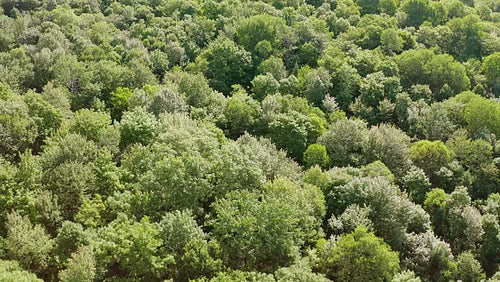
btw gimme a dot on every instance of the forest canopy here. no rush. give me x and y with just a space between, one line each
240 140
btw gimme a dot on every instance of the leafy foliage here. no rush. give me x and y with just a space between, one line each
267 140
358 256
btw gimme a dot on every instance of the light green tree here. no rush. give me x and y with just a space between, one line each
358 256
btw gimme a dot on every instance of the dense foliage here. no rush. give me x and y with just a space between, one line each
239 140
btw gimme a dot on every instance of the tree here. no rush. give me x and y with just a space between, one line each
489 250
370 28
416 184
391 42
70 182
424 67
308 55
463 221
270 159
89 213
434 202
417 12
467 35
331 58
108 76
454 218
44 59
17 69
70 237
81 267
392 214
298 272
391 146
137 126
353 217
27 243
180 133
159 62
469 268
71 74
185 240
18 130
177 229
273 65
242 276
411 64
119 243
195 91
176 53
10 271
239 216
234 170
358 256
473 154
491 68
47 118
346 80
264 85
242 113
436 123
57 97
482 116
286 214
345 142
405 276
316 155
377 168
119 102
430 156
66 148
200 259
167 100
368 7
429 257
95 126
258 28
176 183
68 172
226 64
317 85
292 131
444 70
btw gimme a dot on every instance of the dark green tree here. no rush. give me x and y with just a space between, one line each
224 64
